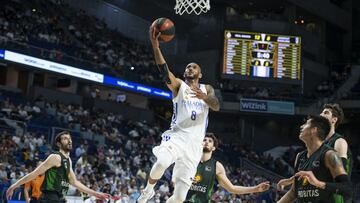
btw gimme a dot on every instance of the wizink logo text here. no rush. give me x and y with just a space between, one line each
253 105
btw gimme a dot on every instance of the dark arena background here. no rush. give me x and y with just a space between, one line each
87 67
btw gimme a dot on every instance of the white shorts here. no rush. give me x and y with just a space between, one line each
185 156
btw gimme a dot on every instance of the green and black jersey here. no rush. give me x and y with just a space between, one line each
202 188
349 161
305 192
57 178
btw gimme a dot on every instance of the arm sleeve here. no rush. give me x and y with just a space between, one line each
342 185
164 72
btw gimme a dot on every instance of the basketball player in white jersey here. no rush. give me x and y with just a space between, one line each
182 143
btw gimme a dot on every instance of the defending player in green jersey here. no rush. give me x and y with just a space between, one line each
208 170
58 174
319 171
335 115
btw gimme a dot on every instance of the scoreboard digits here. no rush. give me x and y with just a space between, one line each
262 55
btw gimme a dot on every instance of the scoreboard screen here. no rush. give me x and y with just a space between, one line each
260 55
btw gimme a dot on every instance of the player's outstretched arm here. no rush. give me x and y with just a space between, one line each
288 181
51 161
289 197
284 182
172 82
78 185
235 189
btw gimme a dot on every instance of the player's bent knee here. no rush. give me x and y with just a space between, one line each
160 166
164 162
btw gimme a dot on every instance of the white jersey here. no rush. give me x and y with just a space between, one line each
190 116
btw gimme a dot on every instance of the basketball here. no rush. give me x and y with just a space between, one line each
166 27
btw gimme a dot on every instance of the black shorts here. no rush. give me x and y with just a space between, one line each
51 198
34 200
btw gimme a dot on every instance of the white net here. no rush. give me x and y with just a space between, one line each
192 6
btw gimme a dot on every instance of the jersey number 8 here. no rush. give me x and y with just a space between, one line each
193 115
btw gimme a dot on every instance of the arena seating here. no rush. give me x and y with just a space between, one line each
95 164
66 36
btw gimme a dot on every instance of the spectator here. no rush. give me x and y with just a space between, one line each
80 150
3 173
164 189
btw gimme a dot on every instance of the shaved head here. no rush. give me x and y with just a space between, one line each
192 71
193 64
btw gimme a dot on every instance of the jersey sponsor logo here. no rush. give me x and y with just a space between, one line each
198 105
64 184
65 187
305 182
65 164
308 193
208 168
198 188
197 178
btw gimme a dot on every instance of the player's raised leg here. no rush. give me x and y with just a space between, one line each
164 160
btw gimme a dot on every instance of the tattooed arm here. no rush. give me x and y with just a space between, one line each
212 100
334 164
341 183
209 98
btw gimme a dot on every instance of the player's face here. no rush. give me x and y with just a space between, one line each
305 130
328 114
66 142
192 71
208 144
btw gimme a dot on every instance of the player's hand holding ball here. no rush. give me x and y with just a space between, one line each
154 37
162 29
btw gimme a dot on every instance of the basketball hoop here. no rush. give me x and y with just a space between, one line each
192 6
